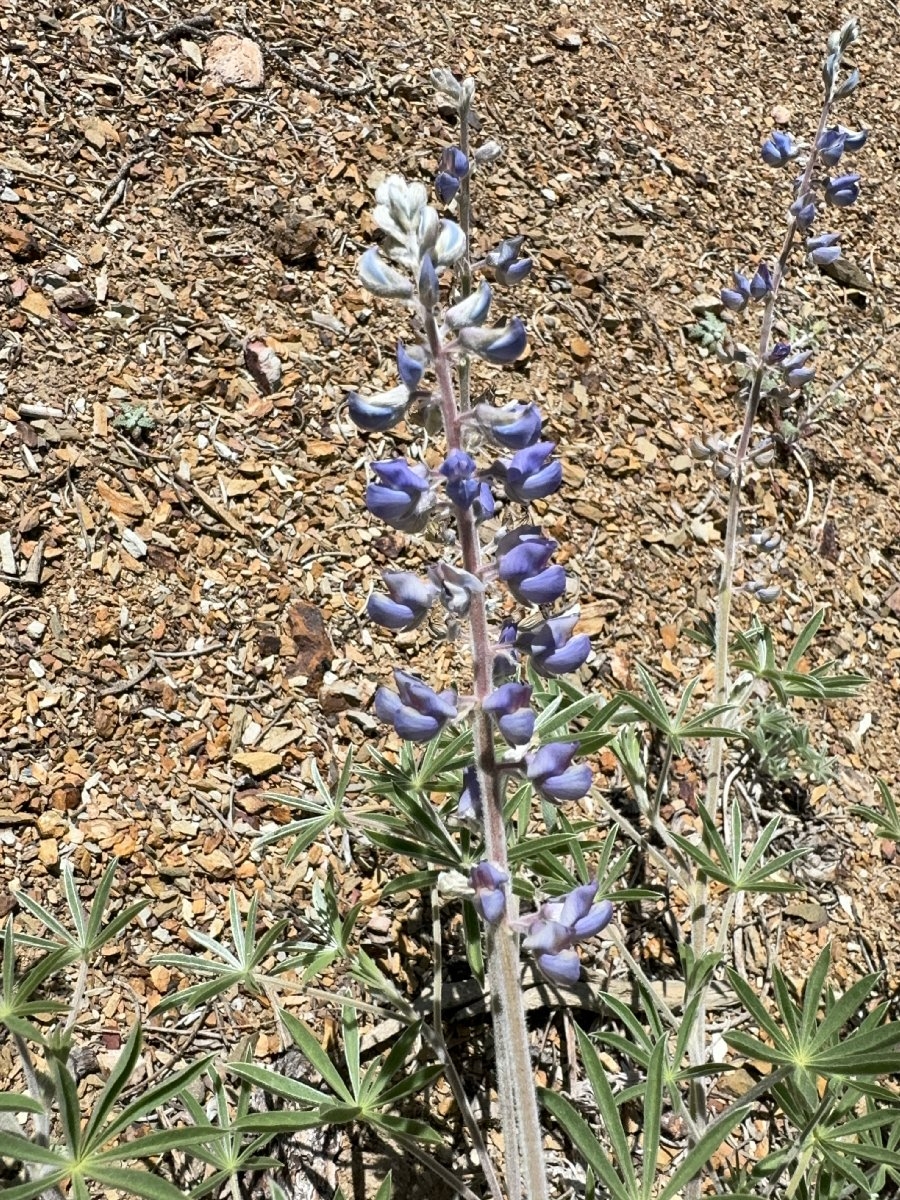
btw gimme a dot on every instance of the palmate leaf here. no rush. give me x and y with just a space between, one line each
90 933
16 995
887 823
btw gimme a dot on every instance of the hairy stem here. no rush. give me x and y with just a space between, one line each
525 1171
697 1048
439 1044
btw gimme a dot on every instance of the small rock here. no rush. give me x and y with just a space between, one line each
312 647
344 693
18 243
566 39
633 234
235 61
73 297
258 762
707 303
781 115
48 852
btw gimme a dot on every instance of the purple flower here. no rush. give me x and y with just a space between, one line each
803 211
415 710
737 298
551 773
495 345
408 604
446 186
831 146
401 497
761 283
411 369
457 587
795 370
854 141
469 807
504 259
824 248
454 162
453 168
514 426
559 925
509 707
459 468
779 149
484 506
429 288
490 898
528 475
843 190
523 557
375 414
473 310
553 649
383 280
779 352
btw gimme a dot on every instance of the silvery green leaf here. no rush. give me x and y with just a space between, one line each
488 153
381 279
473 310
446 83
450 245
467 91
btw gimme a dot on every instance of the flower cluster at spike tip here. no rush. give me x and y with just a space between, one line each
813 188
497 461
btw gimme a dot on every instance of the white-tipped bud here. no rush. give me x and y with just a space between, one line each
473 310
381 279
721 470
700 451
764 456
488 153
450 245
446 83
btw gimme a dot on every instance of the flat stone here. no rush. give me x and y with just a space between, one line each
235 61
633 234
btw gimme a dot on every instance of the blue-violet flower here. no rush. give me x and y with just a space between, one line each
509 707
415 710
559 925
402 496
528 475
553 649
554 777
408 604
488 881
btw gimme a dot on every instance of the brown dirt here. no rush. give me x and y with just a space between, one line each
190 637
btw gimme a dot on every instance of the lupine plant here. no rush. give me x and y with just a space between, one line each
479 768
429 264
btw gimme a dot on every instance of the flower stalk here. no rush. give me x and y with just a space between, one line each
777 152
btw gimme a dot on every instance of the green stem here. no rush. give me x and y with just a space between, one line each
697 1048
